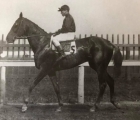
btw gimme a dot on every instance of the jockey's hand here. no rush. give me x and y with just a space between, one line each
54 35
50 33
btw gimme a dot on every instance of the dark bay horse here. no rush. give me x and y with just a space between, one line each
96 51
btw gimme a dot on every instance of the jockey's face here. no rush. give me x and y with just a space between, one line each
64 12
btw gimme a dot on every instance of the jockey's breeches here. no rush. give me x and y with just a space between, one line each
61 37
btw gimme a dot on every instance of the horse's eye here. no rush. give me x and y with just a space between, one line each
16 24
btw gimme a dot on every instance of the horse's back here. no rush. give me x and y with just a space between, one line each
94 41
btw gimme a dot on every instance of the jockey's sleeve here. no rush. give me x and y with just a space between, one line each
68 25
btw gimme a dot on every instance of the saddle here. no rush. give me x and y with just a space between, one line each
69 47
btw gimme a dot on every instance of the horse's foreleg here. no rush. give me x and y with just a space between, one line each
57 91
39 77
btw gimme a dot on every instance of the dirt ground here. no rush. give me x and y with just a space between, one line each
126 90
70 112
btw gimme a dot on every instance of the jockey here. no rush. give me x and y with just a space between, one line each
66 32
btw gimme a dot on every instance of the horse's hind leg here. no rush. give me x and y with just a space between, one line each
57 91
110 82
39 77
102 85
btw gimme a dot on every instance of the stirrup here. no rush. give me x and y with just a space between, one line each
61 58
58 60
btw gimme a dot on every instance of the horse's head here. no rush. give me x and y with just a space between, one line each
17 30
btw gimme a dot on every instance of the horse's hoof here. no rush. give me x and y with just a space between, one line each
117 105
24 108
92 109
59 109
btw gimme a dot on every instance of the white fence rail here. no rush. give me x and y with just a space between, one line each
9 63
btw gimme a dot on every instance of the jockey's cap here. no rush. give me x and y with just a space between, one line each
64 7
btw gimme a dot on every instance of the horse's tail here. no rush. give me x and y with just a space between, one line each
117 60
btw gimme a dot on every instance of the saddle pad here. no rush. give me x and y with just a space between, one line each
68 47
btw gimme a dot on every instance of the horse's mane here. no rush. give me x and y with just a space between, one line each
36 26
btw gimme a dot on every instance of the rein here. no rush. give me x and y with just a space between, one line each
25 37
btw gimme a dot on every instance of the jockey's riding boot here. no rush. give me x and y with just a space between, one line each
61 52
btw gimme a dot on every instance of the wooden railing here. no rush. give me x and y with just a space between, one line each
20 50
130 50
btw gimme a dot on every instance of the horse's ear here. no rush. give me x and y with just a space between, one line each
21 15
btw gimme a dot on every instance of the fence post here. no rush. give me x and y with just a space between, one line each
128 51
2 38
128 72
101 35
18 49
123 47
81 84
139 47
1 48
118 42
113 38
107 36
80 36
3 85
133 47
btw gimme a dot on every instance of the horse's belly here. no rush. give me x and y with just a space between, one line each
71 61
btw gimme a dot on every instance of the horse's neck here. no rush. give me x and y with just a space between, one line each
35 42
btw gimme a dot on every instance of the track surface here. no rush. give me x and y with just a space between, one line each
70 112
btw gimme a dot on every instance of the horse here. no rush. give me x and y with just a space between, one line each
97 51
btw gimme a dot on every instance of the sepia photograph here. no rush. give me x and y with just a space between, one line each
70 60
